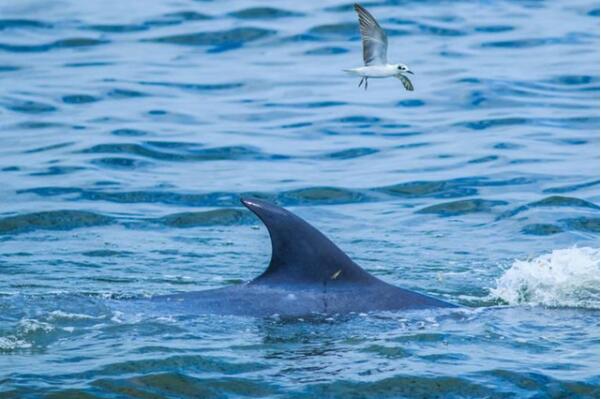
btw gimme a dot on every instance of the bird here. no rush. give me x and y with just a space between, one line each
375 46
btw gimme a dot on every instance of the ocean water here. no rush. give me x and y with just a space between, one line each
128 131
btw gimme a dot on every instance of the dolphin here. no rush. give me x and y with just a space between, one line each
308 274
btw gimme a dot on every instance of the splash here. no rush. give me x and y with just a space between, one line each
11 343
563 278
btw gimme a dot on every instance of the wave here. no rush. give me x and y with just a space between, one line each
233 37
264 13
564 278
52 220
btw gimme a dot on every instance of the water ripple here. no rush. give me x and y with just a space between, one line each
264 13
52 220
149 150
462 207
220 39
222 217
74 42
553 201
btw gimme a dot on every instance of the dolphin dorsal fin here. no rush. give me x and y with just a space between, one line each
301 254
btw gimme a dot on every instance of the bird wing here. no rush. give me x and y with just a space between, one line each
375 42
406 82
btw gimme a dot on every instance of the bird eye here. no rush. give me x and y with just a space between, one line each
400 67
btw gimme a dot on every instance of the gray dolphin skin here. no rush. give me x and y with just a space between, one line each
308 274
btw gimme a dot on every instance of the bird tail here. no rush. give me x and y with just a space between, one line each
351 71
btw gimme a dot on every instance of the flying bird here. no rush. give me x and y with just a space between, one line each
375 45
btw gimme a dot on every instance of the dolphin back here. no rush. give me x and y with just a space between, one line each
307 274
303 258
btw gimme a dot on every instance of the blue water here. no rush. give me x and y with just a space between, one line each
129 130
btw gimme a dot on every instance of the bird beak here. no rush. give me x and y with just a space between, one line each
408 71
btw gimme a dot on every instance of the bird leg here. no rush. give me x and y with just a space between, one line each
361 81
366 83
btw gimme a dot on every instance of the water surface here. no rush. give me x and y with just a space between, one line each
129 131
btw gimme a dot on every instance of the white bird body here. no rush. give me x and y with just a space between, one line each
375 47
375 71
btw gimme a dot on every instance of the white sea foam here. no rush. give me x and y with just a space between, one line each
28 326
117 317
563 278
59 314
11 342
